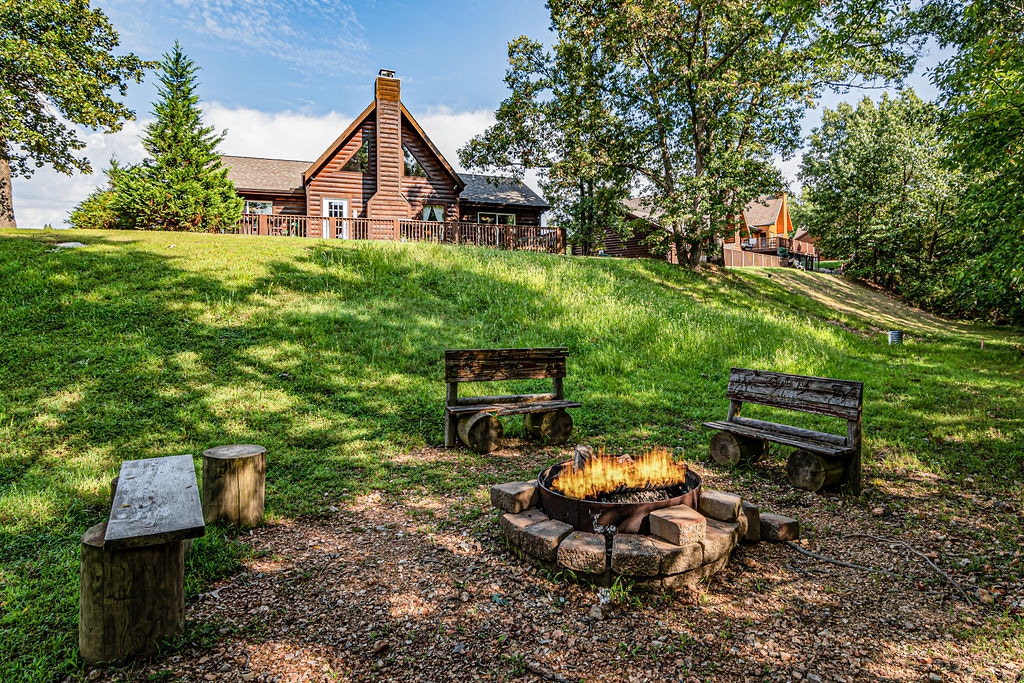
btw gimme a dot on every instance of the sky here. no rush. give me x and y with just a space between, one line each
285 77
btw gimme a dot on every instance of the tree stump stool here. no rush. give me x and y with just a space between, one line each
234 484
552 429
130 599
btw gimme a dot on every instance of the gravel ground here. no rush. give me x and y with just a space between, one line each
422 588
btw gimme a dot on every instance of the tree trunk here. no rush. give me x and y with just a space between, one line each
551 429
730 449
129 599
6 193
234 484
814 472
481 432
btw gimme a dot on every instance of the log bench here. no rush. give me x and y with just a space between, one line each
474 420
821 460
132 576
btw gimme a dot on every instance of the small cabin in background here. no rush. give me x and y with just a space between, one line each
383 178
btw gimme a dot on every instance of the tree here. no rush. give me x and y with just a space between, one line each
182 184
684 103
982 93
882 196
57 70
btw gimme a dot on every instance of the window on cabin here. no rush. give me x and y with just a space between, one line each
433 213
412 167
496 218
253 206
360 161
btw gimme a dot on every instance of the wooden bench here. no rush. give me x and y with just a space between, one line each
822 460
132 578
474 419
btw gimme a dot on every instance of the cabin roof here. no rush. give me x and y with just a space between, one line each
763 211
265 175
485 189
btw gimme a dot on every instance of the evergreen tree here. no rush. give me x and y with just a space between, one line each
182 184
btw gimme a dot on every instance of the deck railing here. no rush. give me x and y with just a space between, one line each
776 243
516 237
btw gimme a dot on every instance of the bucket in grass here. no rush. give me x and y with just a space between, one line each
895 337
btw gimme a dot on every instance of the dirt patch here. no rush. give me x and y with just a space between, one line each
423 588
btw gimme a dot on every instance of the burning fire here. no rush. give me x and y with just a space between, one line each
604 474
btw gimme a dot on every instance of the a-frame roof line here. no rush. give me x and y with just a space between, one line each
433 148
338 142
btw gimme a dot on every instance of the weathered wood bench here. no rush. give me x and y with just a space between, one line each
132 578
822 460
474 419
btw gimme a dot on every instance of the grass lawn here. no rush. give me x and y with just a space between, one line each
330 355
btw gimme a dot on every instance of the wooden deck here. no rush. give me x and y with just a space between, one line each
512 237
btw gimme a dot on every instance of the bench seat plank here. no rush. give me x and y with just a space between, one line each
819 445
513 408
156 501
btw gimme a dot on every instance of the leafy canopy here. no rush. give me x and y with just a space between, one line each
58 70
682 104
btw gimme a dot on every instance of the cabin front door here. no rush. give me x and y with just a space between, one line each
333 211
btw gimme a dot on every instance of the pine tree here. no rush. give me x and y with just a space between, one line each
182 185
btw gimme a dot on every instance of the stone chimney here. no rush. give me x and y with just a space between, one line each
388 201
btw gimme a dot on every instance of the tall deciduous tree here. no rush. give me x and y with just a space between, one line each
684 102
181 185
881 194
982 92
57 69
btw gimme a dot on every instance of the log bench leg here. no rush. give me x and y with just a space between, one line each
481 432
729 449
129 599
552 428
813 472
451 430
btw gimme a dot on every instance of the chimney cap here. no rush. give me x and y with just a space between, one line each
386 73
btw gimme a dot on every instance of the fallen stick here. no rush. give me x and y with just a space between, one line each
546 673
924 557
832 560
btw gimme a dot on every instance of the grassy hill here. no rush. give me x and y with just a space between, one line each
329 354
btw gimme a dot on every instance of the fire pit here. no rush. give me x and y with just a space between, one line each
646 518
625 503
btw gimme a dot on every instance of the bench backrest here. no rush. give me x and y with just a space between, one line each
833 397
489 365
492 365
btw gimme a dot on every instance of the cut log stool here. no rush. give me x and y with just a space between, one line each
813 472
234 484
551 429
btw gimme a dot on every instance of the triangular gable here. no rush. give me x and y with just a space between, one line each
338 143
433 148
356 124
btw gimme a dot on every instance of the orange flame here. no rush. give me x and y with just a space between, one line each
605 474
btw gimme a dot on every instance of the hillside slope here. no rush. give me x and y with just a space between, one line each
329 354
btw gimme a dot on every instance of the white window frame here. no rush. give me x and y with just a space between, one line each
428 207
269 205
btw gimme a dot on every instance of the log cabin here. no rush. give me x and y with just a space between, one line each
383 178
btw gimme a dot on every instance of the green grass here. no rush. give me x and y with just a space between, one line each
329 354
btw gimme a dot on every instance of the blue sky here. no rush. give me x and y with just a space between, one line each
285 77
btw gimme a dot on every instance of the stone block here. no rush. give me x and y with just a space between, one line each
676 559
725 507
542 539
719 539
752 515
583 552
515 496
513 525
701 573
635 555
778 528
679 525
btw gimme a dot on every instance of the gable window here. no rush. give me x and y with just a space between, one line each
412 167
496 218
360 161
433 213
253 206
